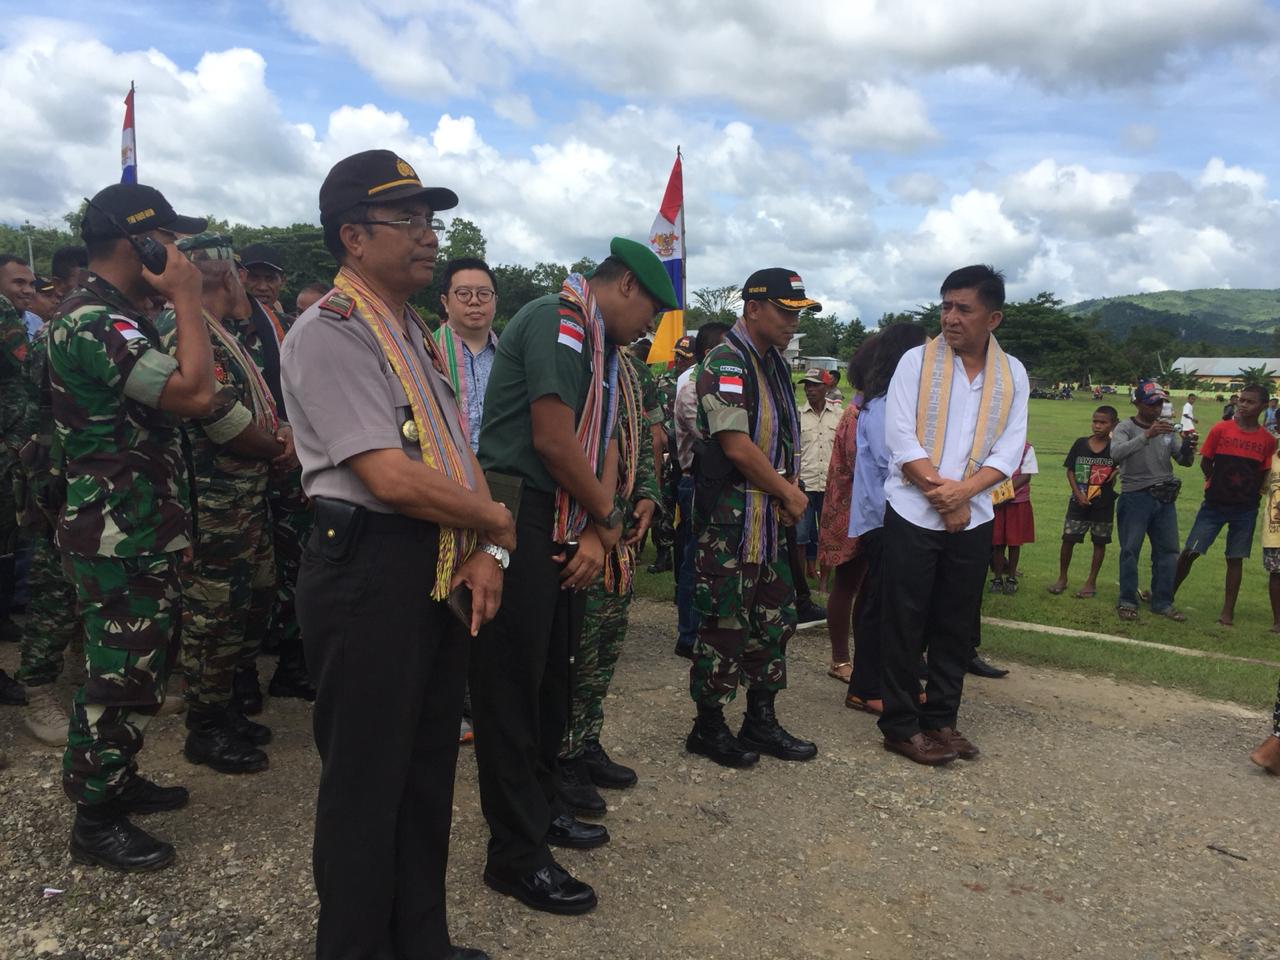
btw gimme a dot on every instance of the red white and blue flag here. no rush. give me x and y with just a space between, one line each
666 239
128 145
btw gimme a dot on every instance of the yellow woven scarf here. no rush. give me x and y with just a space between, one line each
933 402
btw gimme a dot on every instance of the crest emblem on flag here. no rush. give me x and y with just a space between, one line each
663 244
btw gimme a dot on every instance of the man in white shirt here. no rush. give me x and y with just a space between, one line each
818 419
955 425
1189 420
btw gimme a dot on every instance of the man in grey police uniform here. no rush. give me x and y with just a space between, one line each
388 738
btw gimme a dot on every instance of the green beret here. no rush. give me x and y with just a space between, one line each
644 263
207 246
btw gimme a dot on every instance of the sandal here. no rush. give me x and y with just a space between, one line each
1055 589
1126 613
1010 584
1144 596
1177 616
997 585
873 707
841 670
1083 594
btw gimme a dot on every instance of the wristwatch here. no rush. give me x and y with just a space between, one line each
501 554
613 520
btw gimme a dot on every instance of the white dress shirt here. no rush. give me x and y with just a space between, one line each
907 500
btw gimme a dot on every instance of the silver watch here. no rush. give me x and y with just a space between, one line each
501 554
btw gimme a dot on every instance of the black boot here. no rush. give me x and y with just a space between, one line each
603 771
291 680
246 689
10 631
661 563
105 837
140 795
711 738
12 693
259 734
212 741
761 730
576 789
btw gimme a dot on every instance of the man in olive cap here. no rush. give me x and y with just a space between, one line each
126 520
550 427
232 450
747 488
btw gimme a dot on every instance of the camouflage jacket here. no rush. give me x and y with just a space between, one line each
646 486
217 469
17 391
665 388
42 492
127 490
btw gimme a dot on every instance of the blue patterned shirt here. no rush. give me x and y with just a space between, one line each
476 368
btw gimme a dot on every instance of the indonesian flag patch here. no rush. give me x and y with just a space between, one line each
730 384
126 328
571 334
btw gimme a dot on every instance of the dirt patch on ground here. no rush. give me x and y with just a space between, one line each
1083 831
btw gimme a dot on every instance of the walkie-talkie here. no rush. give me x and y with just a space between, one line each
152 254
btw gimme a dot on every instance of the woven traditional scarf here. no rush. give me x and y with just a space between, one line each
934 401
451 346
263 406
275 321
619 567
434 439
597 422
774 420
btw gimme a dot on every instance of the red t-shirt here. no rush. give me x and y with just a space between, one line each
1241 459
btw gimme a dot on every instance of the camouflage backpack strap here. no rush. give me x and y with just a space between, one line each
336 305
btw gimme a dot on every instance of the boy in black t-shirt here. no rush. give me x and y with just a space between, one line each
1235 459
1091 474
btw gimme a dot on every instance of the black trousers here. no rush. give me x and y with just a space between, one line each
389 665
864 682
520 695
930 593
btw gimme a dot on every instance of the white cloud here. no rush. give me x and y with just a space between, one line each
517 108
1071 198
1140 137
918 189
880 116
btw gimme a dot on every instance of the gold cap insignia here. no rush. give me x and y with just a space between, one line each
404 169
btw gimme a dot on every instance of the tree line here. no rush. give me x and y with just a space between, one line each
1055 345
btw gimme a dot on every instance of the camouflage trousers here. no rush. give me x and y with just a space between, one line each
604 626
131 608
291 517
231 557
747 613
51 617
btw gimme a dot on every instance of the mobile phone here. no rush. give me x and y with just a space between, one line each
153 255
459 603
1166 410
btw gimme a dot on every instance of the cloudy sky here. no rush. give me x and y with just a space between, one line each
1090 148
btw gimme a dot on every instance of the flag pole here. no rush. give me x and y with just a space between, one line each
133 101
684 244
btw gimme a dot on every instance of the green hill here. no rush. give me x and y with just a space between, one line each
1257 310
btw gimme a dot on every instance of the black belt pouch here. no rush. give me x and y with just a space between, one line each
337 530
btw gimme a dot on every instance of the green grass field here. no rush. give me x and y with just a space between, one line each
1054 425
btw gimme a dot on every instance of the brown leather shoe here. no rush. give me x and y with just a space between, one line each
1267 755
922 748
953 738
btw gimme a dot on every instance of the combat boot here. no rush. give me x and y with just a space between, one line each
291 679
662 563
761 730
45 719
711 738
258 734
211 740
105 837
604 772
140 795
246 689
576 789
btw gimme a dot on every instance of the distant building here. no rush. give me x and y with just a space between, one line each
1225 371
792 353
828 364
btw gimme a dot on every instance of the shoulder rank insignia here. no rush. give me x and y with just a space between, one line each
338 304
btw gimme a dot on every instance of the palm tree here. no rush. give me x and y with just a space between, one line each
1260 374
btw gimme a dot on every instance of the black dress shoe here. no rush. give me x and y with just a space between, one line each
711 738
809 614
465 953
140 795
762 732
568 831
552 889
980 668
686 652
603 771
291 682
109 840
575 788
12 693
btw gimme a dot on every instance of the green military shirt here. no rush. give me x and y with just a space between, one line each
726 403
543 352
217 469
646 485
665 390
127 491
17 393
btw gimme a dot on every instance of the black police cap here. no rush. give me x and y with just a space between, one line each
262 253
377 176
780 286
137 208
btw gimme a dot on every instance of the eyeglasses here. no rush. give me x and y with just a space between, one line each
414 226
478 294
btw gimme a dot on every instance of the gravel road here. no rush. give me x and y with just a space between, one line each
1085 830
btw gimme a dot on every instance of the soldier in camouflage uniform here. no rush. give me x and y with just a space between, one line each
126 524
273 617
16 418
664 534
584 764
232 450
51 612
747 475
